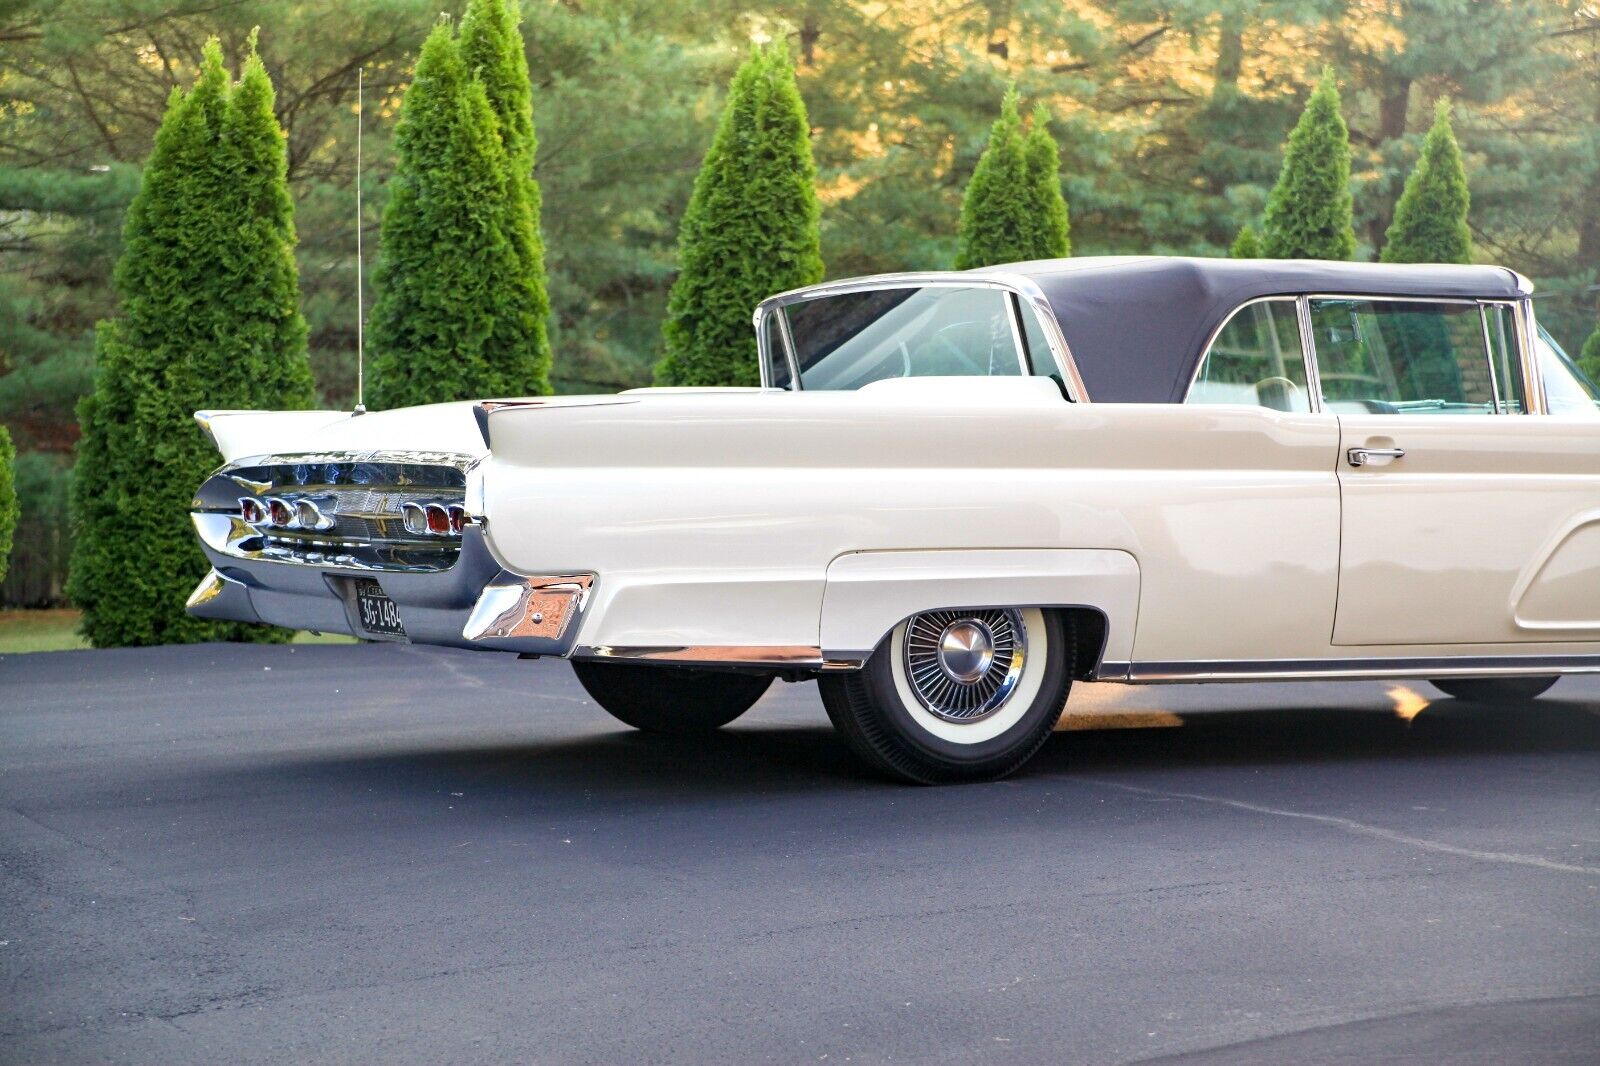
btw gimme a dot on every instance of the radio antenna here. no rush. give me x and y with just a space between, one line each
361 316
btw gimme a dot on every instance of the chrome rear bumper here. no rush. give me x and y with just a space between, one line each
475 603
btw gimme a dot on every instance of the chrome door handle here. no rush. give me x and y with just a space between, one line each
1363 456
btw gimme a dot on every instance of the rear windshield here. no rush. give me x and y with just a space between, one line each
855 338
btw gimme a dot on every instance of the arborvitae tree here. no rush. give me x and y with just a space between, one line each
1309 210
1430 221
1044 177
1589 358
491 45
209 319
8 498
1000 222
458 315
750 229
1246 245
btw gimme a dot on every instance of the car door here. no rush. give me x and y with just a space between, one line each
1468 517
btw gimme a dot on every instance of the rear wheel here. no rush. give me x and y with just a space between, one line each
956 695
661 699
1494 689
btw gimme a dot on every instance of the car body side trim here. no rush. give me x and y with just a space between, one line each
785 656
1335 669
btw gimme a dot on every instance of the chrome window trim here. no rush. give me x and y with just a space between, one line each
1308 346
1025 288
1488 350
1528 324
1211 341
763 353
1014 316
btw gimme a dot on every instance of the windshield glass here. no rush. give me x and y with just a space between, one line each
1567 389
850 339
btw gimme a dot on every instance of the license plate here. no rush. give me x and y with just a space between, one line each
379 614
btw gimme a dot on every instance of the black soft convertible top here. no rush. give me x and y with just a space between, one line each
1137 325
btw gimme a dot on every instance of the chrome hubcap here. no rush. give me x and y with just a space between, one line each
966 650
963 664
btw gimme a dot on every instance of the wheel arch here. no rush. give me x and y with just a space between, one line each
868 593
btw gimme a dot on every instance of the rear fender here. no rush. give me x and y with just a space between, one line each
869 593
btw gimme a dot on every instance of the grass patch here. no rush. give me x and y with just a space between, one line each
56 629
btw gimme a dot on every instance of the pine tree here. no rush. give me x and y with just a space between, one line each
457 315
999 219
750 229
1589 357
1309 210
1044 177
209 318
1246 245
8 498
1430 221
491 46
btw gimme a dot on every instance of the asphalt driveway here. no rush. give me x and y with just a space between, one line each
383 854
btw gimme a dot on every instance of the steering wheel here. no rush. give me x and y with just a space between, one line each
948 345
1278 389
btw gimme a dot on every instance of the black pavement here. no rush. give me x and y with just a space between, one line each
393 854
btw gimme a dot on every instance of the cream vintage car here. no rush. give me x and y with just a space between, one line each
956 493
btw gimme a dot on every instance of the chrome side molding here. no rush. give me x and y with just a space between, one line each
780 656
1348 669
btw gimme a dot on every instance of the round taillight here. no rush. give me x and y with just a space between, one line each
415 518
252 511
281 513
438 520
458 518
310 516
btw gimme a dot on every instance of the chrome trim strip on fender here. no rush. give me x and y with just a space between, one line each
1348 669
778 656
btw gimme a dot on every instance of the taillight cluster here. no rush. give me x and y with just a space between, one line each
279 513
434 519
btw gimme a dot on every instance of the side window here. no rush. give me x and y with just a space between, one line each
1567 389
851 339
1401 357
1256 359
773 351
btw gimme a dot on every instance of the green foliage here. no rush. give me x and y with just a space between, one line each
1309 211
1043 159
1430 221
41 545
1246 245
750 229
8 498
1589 357
999 213
210 318
492 48
458 315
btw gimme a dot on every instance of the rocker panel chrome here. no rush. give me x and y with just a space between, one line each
1348 669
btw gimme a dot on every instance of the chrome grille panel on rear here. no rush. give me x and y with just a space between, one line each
362 495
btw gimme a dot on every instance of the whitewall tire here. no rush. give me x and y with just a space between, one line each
956 695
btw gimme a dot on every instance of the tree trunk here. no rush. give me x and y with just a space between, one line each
1393 106
1230 55
809 32
1589 206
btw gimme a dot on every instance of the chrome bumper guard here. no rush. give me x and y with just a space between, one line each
474 604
